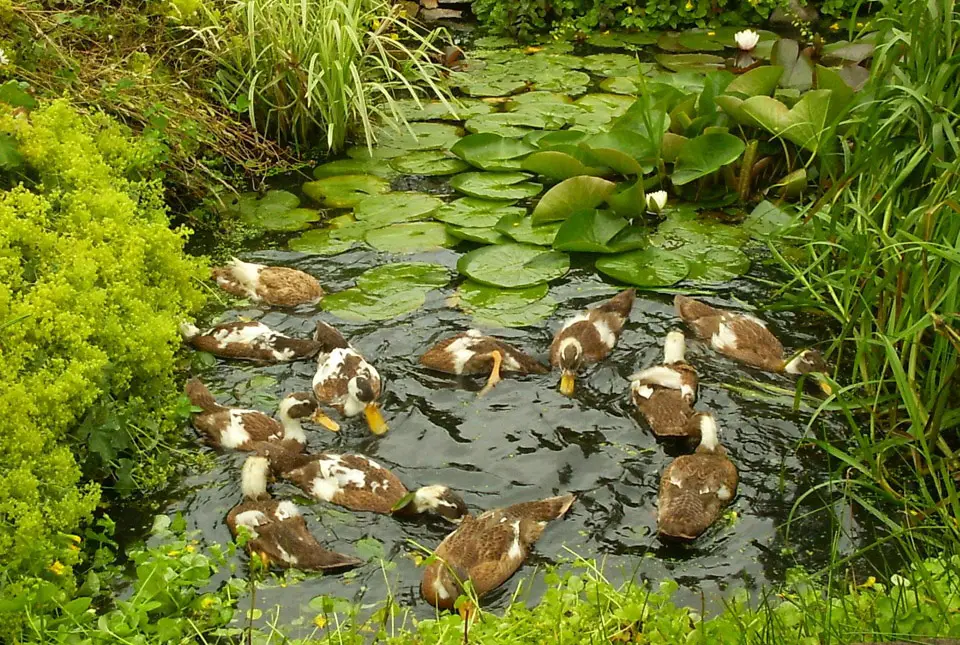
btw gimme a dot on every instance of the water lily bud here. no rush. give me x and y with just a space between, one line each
746 39
656 201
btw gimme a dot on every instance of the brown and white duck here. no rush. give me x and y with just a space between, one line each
345 380
664 394
487 549
278 533
277 286
251 341
471 352
238 429
695 488
589 337
746 338
359 483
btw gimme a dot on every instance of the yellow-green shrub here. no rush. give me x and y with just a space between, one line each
93 283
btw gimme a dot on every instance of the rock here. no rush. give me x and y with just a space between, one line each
441 14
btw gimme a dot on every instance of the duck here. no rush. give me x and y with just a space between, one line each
359 483
589 337
746 339
240 429
345 380
278 533
276 286
250 340
695 488
487 549
664 394
471 352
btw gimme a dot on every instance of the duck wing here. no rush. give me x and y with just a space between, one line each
286 287
665 410
352 481
693 491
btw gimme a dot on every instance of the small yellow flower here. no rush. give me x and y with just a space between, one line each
834 26
190 548
688 6
869 583
320 621
630 10
173 553
394 36
57 568
711 33
73 547
859 24
207 602
74 538
376 24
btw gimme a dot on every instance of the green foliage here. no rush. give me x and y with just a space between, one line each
93 284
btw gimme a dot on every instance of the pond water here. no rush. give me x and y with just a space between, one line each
525 440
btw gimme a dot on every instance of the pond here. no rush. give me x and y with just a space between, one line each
525 440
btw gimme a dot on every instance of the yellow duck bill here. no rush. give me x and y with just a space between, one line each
322 419
567 382
375 419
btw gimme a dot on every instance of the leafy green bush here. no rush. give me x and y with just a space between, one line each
92 286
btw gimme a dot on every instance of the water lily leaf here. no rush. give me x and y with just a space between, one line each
713 263
429 163
354 167
829 79
767 221
554 115
791 185
733 106
494 81
419 136
684 82
617 40
670 42
620 85
797 66
613 104
454 110
296 219
671 146
630 238
380 210
842 52
621 150
804 124
319 242
558 165
537 99
473 212
410 237
628 200
692 62
588 231
494 42
611 64
571 195
551 140
651 267
486 151
705 154
344 191
854 76
701 40
487 235
506 124
277 210
756 82
568 81
513 265
521 229
498 307
496 185
356 305
403 275
685 226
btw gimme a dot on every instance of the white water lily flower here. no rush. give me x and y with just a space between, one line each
3 58
656 201
746 39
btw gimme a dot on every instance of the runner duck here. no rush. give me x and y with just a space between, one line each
487 549
473 353
589 337
251 341
664 394
745 338
278 286
278 532
345 380
695 488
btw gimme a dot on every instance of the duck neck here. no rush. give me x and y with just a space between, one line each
292 428
253 478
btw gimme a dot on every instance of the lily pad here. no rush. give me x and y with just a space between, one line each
425 110
344 191
620 85
588 231
356 305
484 235
513 265
713 263
411 237
551 140
700 40
498 307
804 124
756 82
496 185
705 154
651 267
685 226
264 211
569 81
429 163
767 221
626 152
692 62
354 167
320 242
419 136
474 212
846 52
559 165
489 151
611 64
629 200
493 82
380 210
521 229
571 195
506 124
537 99
386 278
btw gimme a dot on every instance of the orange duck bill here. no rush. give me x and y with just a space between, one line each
375 419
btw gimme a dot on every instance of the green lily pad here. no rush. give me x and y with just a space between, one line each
356 305
354 167
266 210
692 62
588 231
551 140
419 136
490 151
344 191
380 210
571 195
842 93
494 42
429 163
805 123
568 81
460 110
320 242
685 226
494 81
553 115
767 221
617 40
481 235
498 307
700 40
506 124
797 66
651 267
629 200
521 229
559 165
611 64
714 263
386 278
537 99
411 237
624 151
756 82
496 185
513 265
473 212
705 154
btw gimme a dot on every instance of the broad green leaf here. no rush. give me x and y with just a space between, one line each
537 99
713 263
480 235
620 85
496 185
649 268
551 140
429 163
521 229
558 165
380 210
386 278
488 151
344 191
804 124
705 154
588 231
571 195
320 242
277 210
474 212
692 62
628 200
513 265
355 167
506 124
756 82
829 79
498 307
845 52
419 136
611 64
701 40
621 150
767 220
356 305
733 106
568 81
410 237
454 110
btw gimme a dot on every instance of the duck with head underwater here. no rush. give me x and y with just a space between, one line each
746 338
664 394
276 286
589 337
345 380
252 341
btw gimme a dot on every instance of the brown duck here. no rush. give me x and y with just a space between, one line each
251 341
487 549
278 532
695 488
473 353
589 337
664 394
277 286
359 483
747 339
239 429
